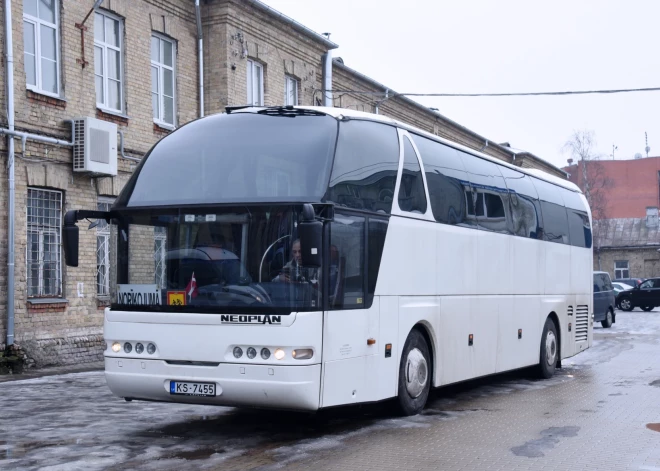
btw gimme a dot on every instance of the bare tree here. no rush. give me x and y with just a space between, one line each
591 178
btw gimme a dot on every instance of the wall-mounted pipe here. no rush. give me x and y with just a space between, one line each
121 149
200 57
9 85
326 79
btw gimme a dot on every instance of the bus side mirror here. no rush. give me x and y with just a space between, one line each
70 237
310 233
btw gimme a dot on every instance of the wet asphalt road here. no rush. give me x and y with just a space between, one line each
596 413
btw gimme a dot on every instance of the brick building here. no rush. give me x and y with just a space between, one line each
136 65
626 239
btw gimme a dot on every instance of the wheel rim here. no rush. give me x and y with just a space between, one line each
551 348
625 303
416 373
609 317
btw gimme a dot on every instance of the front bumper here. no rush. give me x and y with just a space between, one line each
268 386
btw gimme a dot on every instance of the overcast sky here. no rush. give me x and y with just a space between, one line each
484 46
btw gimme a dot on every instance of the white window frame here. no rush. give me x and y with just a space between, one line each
103 234
41 230
252 67
104 53
37 23
291 85
161 66
617 269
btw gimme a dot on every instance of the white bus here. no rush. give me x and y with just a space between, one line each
305 258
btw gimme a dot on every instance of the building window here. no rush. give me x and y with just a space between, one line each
255 83
108 61
160 248
44 232
291 92
621 269
103 250
41 44
163 77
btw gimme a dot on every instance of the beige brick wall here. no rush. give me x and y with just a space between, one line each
642 263
75 327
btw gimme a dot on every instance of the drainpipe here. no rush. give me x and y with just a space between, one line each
326 79
9 83
200 59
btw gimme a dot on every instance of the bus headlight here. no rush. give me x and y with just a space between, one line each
238 352
139 348
151 349
265 353
128 347
302 353
116 347
251 353
279 354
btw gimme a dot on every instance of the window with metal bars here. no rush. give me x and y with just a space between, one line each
160 247
103 250
44 233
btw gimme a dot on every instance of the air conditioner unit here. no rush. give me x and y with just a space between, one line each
94 146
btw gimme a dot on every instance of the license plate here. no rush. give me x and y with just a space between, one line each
185 388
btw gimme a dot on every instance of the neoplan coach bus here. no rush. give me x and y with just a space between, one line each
305 258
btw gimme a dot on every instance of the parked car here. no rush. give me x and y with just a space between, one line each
618 287
645 296
630 281
604 299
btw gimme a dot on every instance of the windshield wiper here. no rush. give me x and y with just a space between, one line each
289 111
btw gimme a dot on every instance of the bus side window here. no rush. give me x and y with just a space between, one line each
412 197
524 202
555 219
446 179
365 167
346 269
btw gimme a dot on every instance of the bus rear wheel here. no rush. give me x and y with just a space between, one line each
549 350
414 375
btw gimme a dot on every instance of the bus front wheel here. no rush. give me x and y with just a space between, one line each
549 350
414 375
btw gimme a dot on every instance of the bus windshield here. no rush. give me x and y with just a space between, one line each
220 260
237 158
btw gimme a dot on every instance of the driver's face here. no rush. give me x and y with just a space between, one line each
295 250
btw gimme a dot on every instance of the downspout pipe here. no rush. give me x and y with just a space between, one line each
200 57
326 79
9 84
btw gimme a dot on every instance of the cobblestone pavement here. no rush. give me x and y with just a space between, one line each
595 414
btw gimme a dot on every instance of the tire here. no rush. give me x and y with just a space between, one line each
647 308
626 304
549 350
414 375
609 319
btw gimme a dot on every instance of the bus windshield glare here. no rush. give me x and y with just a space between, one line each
219 260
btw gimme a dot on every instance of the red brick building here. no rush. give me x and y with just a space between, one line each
634 184
627 240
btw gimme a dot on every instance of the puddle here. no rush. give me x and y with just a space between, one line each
199 454
549 438
654 427
655 383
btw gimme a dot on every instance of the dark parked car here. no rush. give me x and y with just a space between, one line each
604 299
646 296
630 281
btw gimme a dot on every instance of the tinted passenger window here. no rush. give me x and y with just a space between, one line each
365 167
524 204
346 279
446 180
412 197
579 228
555 219
376 242
597 284
489 194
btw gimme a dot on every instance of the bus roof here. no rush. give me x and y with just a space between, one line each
339 113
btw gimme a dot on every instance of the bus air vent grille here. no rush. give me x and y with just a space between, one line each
581 323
